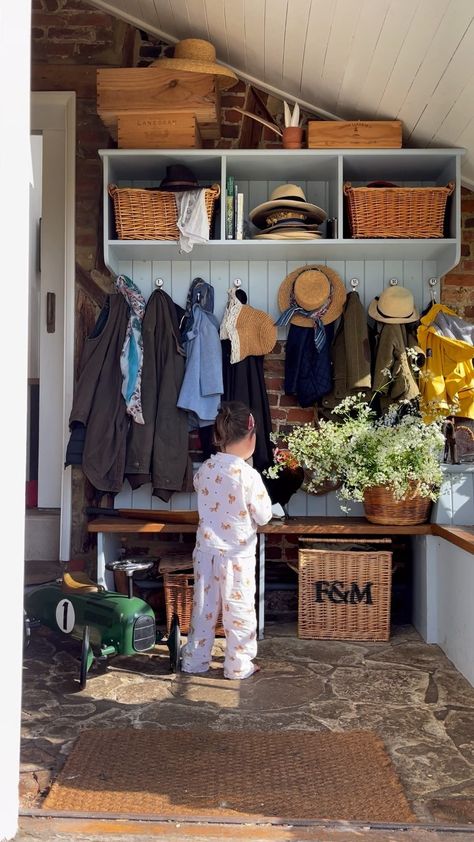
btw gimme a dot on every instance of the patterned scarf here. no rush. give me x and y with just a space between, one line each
131 357
314 315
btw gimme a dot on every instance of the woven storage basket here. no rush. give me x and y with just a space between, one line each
179 593
380 506
344 594
151 214
412 212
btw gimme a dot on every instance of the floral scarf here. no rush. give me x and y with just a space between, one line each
131 357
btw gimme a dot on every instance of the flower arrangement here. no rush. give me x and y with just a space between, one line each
360 451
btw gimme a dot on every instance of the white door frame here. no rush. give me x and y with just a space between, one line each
56 110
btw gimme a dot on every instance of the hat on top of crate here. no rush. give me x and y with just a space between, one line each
395 305
311 294
286 196
198 56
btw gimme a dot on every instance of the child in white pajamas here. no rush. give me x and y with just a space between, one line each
232 502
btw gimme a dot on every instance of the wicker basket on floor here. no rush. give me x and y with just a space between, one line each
142 214
179 593
411 212
344 594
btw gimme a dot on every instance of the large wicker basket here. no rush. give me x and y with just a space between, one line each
411 212
344 594
380 506
179 593
142 214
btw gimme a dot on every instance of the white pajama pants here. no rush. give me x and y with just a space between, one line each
227 583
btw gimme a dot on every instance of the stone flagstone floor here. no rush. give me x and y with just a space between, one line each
405 690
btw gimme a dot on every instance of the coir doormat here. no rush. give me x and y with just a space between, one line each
240 774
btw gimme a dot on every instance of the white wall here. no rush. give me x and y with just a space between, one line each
15 172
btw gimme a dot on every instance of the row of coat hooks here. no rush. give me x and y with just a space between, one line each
354 282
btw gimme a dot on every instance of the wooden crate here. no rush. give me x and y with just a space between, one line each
150 90
346 134
166 130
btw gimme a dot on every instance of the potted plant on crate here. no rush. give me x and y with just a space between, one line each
390 464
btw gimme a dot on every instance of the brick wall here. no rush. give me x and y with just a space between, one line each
69 39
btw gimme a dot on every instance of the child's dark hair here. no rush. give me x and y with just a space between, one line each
234 421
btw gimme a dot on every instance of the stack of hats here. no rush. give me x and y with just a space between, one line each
287 216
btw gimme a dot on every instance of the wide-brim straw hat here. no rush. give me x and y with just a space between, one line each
195 55
287 196
395 305
256 331
311 287
291 234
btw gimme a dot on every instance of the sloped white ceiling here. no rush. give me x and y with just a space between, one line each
411 60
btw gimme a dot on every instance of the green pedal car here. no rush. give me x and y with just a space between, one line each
106 622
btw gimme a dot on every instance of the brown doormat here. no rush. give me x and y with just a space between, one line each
240 774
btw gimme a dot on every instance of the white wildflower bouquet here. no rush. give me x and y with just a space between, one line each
360 451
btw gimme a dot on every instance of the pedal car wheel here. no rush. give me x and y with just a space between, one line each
84 658
174 644
26 630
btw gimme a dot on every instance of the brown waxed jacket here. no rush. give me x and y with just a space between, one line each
393 375
98 404
158 449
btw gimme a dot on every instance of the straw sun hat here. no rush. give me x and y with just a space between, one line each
198 56
395 305
311 287
251 331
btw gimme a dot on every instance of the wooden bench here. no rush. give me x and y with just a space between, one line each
111 530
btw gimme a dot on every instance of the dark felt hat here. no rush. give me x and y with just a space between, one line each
178 178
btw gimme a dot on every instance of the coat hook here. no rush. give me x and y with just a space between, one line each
237 282
159 282
354 282
432 282
393 282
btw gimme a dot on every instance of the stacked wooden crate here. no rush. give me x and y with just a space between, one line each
158 108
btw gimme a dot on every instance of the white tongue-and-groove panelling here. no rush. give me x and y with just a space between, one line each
261 279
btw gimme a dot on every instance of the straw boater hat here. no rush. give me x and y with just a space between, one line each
395 306
251 332
312 287
197 56
286 196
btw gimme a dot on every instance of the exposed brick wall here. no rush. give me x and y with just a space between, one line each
76 36
458 286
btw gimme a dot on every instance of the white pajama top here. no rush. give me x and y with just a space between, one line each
232 502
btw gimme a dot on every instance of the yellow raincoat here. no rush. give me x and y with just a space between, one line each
447 378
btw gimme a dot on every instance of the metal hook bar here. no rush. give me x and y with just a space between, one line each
393 282
354 282
159 282
237 282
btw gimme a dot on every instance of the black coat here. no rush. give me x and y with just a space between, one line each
244 381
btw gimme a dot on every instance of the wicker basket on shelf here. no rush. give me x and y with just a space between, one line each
179 593
142 214
396 212
380 506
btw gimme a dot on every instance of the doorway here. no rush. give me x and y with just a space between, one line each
51 324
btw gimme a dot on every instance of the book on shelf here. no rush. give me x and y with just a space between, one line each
229 208
239 225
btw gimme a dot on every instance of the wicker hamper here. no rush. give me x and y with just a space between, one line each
142 214
411 212
179 592
344 594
